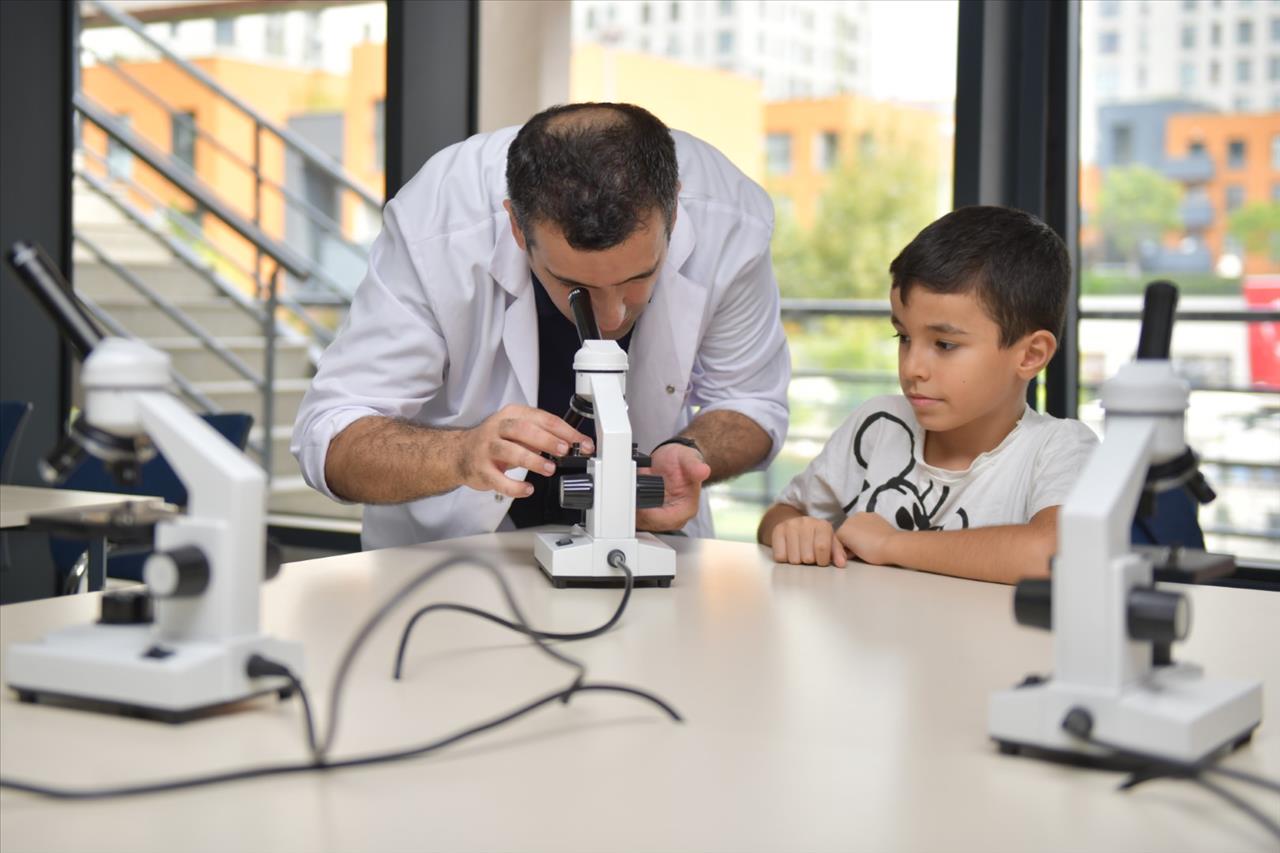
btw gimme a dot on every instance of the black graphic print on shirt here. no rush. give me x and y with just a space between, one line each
911 506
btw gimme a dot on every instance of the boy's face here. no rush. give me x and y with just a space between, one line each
950 363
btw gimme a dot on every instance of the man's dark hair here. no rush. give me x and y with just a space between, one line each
595 171
1018 266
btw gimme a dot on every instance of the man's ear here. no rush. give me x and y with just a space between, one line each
1035 351
515 226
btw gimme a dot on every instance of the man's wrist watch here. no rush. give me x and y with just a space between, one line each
679 439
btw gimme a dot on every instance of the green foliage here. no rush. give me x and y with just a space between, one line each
1137 204
1257 227
1199 284
873 207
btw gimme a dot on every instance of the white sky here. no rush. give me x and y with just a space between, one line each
913 51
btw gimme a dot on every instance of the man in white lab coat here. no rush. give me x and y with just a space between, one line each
446 383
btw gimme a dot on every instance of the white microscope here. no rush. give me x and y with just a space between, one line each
1112 627
610 490
204 575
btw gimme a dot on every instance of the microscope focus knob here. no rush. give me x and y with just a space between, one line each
1033 603
179 573
1159 616
650 491
576 491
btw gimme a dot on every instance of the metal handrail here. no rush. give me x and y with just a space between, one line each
316 156
173 312
880 308
295 201
285 257
181 252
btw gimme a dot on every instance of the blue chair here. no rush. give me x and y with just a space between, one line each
156 478
13 417
1174 522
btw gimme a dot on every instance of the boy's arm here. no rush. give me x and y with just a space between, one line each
1004 554
777 514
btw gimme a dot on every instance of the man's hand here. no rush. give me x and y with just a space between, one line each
804 540
867 535
683 473
513 437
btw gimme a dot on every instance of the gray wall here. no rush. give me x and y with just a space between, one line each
35 205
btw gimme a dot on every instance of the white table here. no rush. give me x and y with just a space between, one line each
826 710
19 503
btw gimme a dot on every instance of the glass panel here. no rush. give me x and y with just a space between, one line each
851 135
276 116
1177 181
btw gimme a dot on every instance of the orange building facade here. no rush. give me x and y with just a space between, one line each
1245 152
819 134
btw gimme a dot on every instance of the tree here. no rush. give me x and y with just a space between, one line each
873 207
1137 205
1257 227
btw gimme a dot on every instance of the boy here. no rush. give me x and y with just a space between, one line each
959 475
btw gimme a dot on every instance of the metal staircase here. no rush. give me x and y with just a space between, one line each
242 338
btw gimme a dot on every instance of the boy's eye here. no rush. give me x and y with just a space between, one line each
902 339
946 346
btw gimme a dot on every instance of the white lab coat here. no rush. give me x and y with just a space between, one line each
443 329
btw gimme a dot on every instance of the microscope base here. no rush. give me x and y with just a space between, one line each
1174 713
574 558
127 669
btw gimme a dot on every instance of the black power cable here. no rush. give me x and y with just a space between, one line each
319 747
1079 722
615 558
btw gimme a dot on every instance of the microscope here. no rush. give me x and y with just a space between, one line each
181 647
605 487
1114 680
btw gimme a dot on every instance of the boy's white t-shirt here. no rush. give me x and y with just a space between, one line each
874 463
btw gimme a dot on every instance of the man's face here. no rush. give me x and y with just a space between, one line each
950 363
620 279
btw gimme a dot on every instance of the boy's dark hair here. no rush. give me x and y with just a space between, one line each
1018 266
595 177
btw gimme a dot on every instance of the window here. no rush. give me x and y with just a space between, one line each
1215 34
1235 197
1235 154
119 158
1215 71
1275 29
1109 8
724 42
675 12
1196 149
1108 42
1275 151
380 135
1273 68
826 150
1188 36
1187 76
1244 71
1244 32
1121 145
274 36
673 45
645 12
726 7
1188 5
777 148
182 134
224 32
313 50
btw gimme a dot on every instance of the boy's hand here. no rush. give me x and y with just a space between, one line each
807 541
867 537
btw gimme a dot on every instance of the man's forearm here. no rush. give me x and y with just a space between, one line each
1003 554
379 460
730 442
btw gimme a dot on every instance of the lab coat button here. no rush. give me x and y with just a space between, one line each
671 389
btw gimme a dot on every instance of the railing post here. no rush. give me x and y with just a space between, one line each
269 371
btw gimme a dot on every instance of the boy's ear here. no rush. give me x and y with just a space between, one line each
1035 351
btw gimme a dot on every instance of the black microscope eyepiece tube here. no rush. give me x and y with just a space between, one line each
1158 307
55 296
583 316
